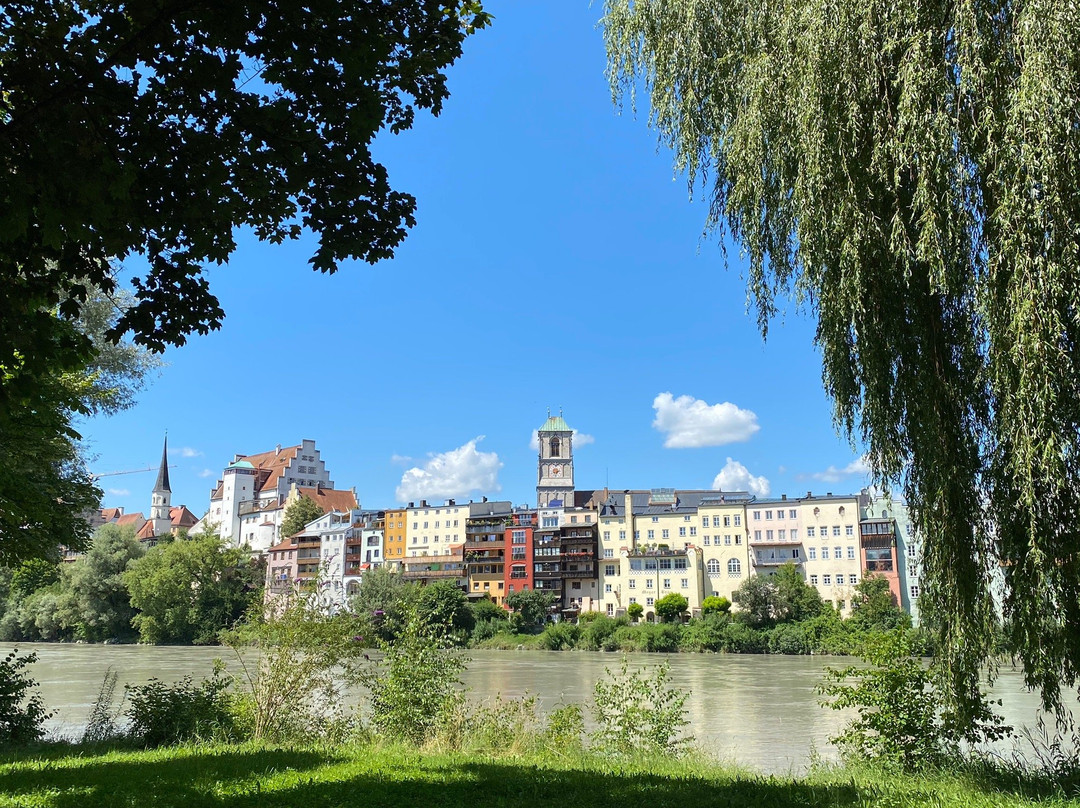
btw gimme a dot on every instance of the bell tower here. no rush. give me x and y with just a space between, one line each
555 463
162 496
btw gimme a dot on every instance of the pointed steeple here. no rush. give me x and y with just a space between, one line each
162 483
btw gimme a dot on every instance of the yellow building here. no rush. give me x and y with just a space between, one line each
725 550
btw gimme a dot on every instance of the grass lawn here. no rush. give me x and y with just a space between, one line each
249 776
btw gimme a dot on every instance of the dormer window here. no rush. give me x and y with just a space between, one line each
554 447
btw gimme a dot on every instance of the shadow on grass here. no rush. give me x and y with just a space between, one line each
230 778
171 777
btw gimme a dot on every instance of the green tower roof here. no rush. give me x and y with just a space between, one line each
555 423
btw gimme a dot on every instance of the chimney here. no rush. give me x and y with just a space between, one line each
277 450
410 504
809 494
449 502
485 499
628 504
828 493
423 503
783 496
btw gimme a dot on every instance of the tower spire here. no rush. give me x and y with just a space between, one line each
162 483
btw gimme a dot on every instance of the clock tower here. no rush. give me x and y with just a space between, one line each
555 464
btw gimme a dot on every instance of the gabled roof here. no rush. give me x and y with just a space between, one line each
146 531
270 464
330 499
136 519
180 516
111 514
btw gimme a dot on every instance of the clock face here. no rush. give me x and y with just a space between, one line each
556 471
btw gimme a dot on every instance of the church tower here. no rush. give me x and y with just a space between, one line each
555 464
159 507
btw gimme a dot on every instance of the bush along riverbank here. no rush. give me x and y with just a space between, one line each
274 729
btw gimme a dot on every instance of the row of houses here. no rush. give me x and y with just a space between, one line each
591 549
594 549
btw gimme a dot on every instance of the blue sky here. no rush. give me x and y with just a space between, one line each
557 261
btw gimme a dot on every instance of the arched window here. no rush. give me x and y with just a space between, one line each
554 447
734 568
713 566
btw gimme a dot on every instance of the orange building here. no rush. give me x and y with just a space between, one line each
394 534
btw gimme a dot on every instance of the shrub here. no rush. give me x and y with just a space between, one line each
898 718
22 713
788 638
634 611
671 608
639 713
162 714
564 731
415 689
101 725
739 638
704 634
598 630
559 636
714 604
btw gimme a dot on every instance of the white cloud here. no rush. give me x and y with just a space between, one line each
187 451
456 473
734 476
206 473
689 422
579 439
119 492
400 460
833 475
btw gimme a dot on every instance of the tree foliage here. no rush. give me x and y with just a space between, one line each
100 606
159 129
298 514
907 172
187 591
672 607
874 607
531 608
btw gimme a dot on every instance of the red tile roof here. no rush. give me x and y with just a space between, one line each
271 464
111 514
330 499
181 517
131 519
146 531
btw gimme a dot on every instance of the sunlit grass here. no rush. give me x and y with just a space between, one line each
249 775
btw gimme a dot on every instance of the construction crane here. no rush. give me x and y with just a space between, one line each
130 471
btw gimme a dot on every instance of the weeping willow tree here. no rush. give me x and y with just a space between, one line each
909 172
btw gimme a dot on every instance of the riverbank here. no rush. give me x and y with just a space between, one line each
249 775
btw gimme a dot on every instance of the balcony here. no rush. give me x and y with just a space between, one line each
416 575
758 561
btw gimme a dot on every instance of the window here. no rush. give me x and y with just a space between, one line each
768 514
825 553
607 587
610 609
693 530
734 568
573 520
667 583
794 552
436 522
651 534
813 580
827 580
648 583
849 530
554 444
836 530
637 535
706 541
609 553
738 520
837 552
648 601
686 518
609 569
685 583
682 531
727 521
791 514
518 536
851 551
713 566
757 515
727 539
704 521
738 538
425 525
622 535
853 579
768 535
607 535
656 519
781 535
665 563
757 535
915 591
680 563
633 585
716 521
633 600
794 534
664 533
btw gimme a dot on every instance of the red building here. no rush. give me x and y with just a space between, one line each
518 570
878 540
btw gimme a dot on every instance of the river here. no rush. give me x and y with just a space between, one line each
759 711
